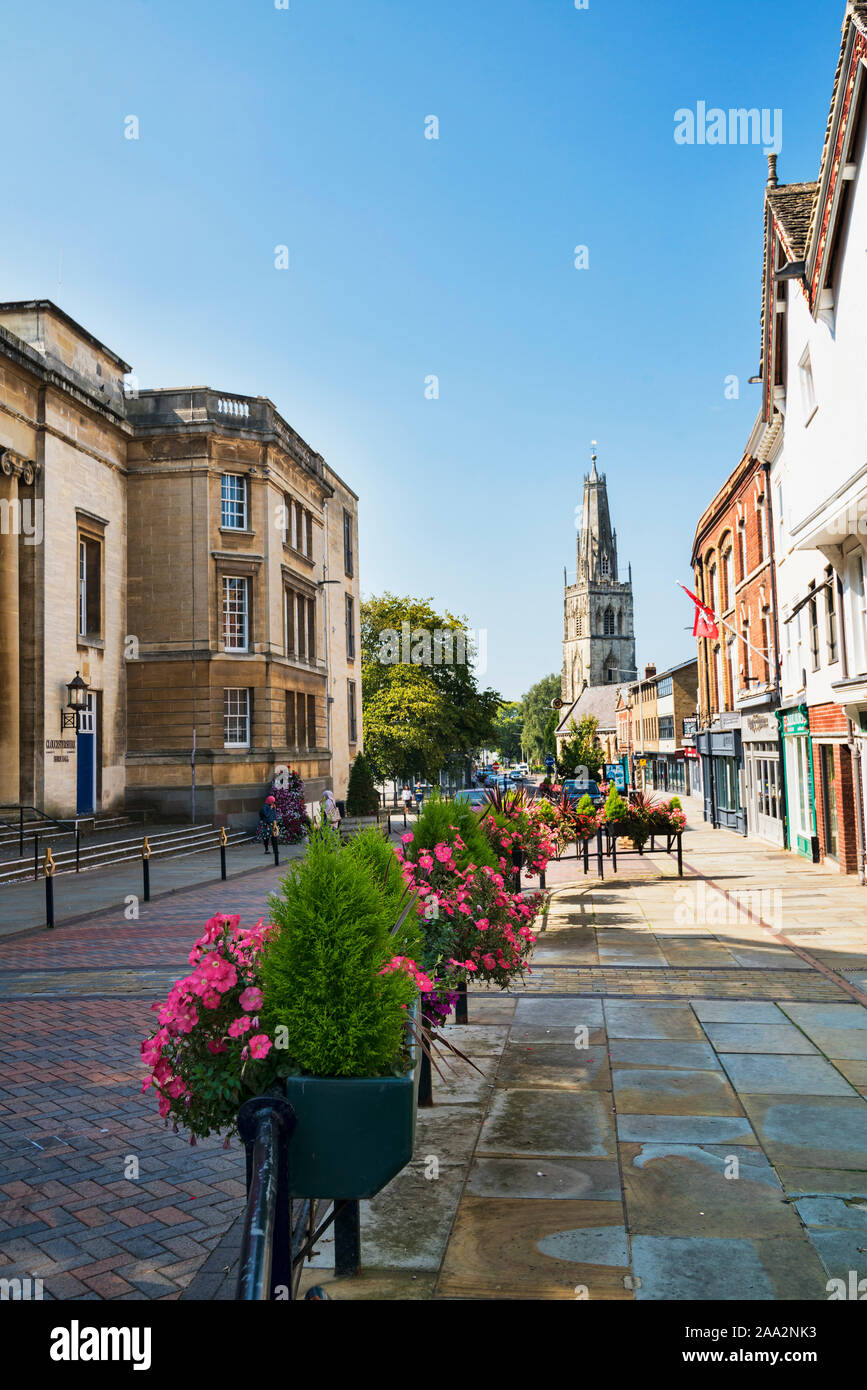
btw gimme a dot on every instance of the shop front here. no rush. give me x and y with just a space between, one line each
766 812
794 725
721 753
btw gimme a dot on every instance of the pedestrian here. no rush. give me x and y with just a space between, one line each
267 821
419 797
407 796
330 812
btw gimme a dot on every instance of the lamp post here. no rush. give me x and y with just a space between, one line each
77 691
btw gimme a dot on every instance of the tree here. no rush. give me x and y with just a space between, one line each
509 730
422 704
362 798
540 720
583 749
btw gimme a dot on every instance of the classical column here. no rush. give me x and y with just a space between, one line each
9 676
12 470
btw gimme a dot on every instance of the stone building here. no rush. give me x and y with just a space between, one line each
183 571
598 624
63 445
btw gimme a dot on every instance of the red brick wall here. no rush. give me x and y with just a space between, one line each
847 837
753 591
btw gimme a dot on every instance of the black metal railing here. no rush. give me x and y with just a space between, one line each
279 1234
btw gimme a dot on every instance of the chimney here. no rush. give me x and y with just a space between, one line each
773 181
649 672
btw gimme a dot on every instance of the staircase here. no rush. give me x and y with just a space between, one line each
188 839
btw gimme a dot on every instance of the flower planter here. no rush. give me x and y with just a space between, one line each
354 1134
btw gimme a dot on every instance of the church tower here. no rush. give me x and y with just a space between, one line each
598 630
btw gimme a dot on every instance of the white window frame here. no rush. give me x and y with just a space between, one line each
240 715
238 584
808 385
233 502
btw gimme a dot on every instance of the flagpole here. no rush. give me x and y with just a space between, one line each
722 623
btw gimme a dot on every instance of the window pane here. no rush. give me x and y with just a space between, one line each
234 614
311 629
236 718
234 502
311 721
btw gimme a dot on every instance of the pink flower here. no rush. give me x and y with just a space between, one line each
483 924
408 838
260 1045
251 998
443 853
488 961
239 1026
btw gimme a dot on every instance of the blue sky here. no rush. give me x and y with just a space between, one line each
411 257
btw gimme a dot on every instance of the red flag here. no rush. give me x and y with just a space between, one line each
705 619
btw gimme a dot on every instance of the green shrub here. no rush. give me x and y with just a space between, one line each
675 803
585 806
362 798
372 849
435 826
320 971
616 808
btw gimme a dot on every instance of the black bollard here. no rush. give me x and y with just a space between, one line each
347 1239
461 1005
425 1076
49 888
599 865
223 853
614 854
586 856
146 870
680 855
275 843
542 883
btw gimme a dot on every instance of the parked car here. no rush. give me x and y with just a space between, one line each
475 796
575 790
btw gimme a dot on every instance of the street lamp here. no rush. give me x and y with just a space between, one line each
76 701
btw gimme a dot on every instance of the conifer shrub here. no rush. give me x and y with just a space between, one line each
585 806
373 850
362 798
442 821
322 977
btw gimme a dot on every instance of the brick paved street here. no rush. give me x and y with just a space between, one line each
706 1039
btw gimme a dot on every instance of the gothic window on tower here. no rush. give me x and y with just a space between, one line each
608 622
604 566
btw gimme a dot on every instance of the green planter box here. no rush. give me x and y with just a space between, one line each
354 1134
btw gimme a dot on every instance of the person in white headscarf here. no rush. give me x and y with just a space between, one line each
330 813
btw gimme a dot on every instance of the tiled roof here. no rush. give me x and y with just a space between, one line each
598 700
857 16
792 206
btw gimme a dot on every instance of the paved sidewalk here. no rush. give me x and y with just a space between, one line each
706 1137
78 896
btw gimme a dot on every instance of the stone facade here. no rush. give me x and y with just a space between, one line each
182 572
342 598
598 622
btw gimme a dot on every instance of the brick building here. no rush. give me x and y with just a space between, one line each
738 741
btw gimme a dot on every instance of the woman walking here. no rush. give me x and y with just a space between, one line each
267 821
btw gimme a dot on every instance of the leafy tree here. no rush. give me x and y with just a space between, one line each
540 720
509 729
422 703
583 749
362 798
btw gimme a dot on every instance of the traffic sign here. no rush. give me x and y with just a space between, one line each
549 760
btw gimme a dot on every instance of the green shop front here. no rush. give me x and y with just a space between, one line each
800 796
722 768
